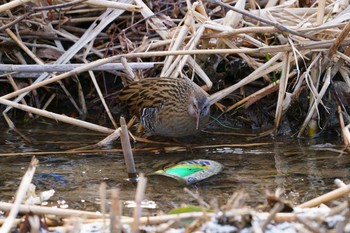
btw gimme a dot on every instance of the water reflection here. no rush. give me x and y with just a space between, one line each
301 169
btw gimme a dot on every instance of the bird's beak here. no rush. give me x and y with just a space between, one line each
197 119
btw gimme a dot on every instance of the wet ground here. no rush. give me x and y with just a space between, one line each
301 168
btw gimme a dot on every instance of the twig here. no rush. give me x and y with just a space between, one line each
116 5
276 208
275 24
116 212
58 117
21 192
68 67
103 197
198 198
52 211
127 151
12 4
326 197
140 192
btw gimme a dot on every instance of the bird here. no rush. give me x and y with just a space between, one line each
169 107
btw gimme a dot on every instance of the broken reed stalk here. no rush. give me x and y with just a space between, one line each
198 198
127 151
277 25
110 138
115 5
51 211
12 4
276 209
58 117
116 213
33 68
21 192
103 197
326 197
102 99
140 193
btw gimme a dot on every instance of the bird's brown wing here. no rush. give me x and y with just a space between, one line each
142 95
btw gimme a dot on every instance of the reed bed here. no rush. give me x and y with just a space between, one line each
297 53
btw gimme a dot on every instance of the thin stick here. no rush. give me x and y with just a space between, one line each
15 87
116 212
198 198
67 67
282 89
275 24
103 197
55 116
276 208
127 151
12 4
51 211
116 5
326 197
21 192
140 192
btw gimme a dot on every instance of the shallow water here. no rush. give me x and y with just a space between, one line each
302 169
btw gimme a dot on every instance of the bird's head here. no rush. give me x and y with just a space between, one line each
198 106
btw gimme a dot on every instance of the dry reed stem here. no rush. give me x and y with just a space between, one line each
20 194
178 38
68 67
42 210
15 87
57 117
115 5
198 198
100 95
110 138
116 212
128 69
127 151
140 193
180 61
255 96
161 29
314 105
309 226
12 4
275 24
282 88
276 209
253 76
333 49
326 197
103 198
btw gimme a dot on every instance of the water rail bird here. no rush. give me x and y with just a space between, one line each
170 107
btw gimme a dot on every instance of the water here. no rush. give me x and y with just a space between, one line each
301 169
